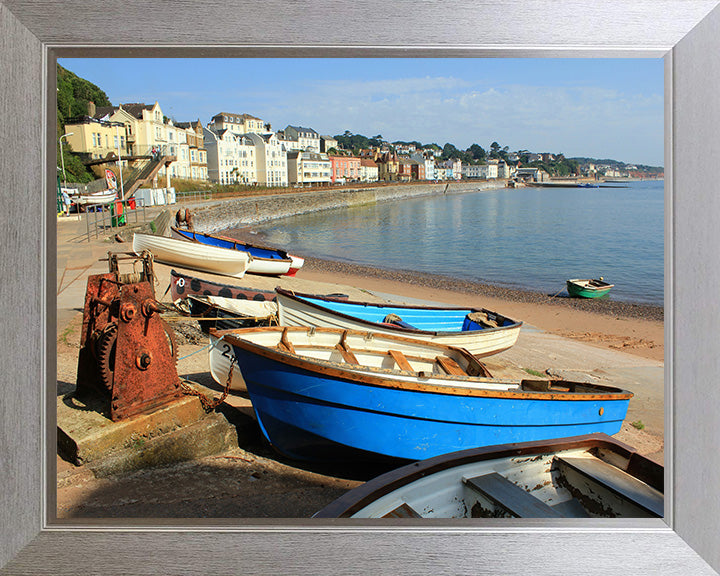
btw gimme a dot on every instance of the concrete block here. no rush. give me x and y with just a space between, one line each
179 431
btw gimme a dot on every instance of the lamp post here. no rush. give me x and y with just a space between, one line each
122 191
62 158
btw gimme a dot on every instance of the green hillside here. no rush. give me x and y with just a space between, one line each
73 95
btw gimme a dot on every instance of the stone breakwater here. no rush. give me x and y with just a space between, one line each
241 212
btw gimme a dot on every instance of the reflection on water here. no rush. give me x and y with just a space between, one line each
532 238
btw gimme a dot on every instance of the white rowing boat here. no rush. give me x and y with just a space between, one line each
193 255
579 477
480 331
105 197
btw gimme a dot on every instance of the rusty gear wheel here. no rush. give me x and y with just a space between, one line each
106 355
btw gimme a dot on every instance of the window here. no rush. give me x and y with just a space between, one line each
115 139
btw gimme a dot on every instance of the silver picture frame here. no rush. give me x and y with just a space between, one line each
34 33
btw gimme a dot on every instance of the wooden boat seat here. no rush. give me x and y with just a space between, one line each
450 366
510 497
403 511
400 360
345 351
618 482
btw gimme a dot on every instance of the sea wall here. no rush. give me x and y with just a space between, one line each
241 212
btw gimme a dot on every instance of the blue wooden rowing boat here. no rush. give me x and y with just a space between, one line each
323 394
264 260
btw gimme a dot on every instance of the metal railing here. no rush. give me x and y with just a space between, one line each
102 219
195 195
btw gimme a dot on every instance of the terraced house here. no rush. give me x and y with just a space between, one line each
300 138
239 123
96 136
186 142
141 134
345 168
231 157
271 160
308 168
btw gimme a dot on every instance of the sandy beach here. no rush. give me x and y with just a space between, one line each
610 342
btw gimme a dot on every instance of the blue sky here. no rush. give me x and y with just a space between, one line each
601 108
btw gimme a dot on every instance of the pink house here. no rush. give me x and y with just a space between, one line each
345 168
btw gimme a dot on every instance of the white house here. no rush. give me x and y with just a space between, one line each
306 138
231 157
308 168
368 170
474 170
271 159
185 141
327 143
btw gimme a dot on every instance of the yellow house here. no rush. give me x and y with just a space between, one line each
96 137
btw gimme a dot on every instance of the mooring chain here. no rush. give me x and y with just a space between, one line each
210 405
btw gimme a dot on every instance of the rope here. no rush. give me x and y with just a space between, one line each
196 351
551 297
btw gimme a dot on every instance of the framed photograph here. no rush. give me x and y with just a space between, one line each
682 32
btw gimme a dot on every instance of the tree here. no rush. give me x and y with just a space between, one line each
73 95
449 151
477 152
494 148
376 141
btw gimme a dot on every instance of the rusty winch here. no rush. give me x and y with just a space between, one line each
127 351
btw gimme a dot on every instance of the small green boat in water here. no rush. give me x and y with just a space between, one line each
594 288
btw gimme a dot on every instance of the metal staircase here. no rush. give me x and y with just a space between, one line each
144 173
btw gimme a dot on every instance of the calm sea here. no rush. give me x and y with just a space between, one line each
527 238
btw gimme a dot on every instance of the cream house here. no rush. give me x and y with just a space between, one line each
271 159
141 130
308 168
368 170
231 158
185 141
239 123
96 138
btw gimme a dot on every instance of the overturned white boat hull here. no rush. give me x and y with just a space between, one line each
193 255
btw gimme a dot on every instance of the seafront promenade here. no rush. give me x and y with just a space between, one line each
250 480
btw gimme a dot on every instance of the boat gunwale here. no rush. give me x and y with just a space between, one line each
380 377
574 282
360 497
302 298
174 274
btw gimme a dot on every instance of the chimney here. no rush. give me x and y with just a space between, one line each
91 109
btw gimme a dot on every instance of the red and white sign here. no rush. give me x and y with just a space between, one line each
111 180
